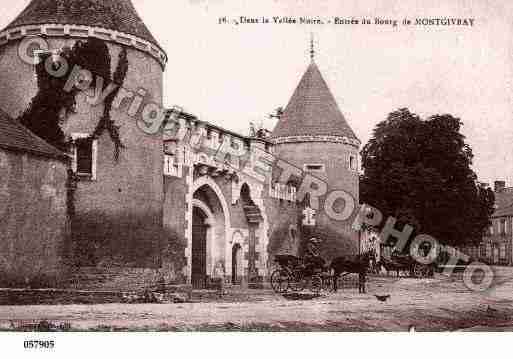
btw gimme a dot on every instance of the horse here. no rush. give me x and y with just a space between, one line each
356 264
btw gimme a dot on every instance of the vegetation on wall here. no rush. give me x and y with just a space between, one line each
106 122
54 102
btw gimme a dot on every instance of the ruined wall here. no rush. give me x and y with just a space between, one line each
34 226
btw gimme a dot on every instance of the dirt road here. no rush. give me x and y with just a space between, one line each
436 304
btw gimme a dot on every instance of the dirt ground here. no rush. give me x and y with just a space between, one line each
435 304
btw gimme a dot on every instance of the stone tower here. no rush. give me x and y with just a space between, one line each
313 135
117 220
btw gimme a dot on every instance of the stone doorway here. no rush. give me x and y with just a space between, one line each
209 252
237 265
199 249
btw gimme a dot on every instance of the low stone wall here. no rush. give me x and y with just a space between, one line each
57 297
121 279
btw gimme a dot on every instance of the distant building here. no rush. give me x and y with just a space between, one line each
497 245
163 210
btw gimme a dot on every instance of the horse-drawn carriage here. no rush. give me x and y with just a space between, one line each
405 262
296 274
311 272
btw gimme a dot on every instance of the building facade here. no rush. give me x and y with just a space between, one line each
167 206
497 245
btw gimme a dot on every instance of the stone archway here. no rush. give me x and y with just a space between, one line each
209 205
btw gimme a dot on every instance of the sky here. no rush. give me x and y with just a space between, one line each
231 74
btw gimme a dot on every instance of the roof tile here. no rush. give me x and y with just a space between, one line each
504 203
312 110
117 15
15 136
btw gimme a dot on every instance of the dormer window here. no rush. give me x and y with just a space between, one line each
314 167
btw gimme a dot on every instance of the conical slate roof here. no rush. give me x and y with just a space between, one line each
312 110
117 15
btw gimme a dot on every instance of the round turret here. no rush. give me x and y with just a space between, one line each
313 135
119 193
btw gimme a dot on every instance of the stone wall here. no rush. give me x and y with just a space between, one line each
173 253
34 226
284 229
17 79
338 237
118 218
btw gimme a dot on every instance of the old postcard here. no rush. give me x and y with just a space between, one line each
270 166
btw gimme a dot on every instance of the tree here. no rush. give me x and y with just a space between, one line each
419 171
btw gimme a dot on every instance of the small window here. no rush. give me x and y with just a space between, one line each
41 55
353 163
172 166
503 226
488 250
314 167
84 156
502 251
169 162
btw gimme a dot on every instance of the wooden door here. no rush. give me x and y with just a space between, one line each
199 250
236 264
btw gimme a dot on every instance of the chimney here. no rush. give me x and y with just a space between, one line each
499 186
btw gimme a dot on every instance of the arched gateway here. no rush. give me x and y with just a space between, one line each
208 242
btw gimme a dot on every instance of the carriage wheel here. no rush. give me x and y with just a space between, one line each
316 284
327 283
420 271
280 281
297 281
426 272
